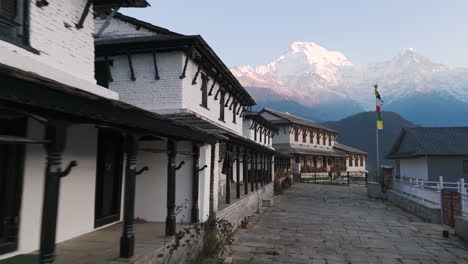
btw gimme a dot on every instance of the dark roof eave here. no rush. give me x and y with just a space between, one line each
120 3
46 97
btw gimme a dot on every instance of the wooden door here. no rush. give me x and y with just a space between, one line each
108 177
11 180
451 206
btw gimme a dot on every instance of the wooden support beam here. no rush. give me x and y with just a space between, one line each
212 86
217 93
187 57
80 23
130 64
212 213
228 164
245 169
227 101
155 62
55 134
237 173
252 171
171 187
194 81
108 71
195 182
127 240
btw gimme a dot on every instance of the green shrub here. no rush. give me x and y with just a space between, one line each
277 187
288 181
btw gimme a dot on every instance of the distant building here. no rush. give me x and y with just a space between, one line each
429 152
313 145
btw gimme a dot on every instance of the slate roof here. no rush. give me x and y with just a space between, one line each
194 120
349 149
288 118
286 148
430 141
121 3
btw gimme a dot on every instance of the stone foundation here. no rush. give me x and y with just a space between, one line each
429 212
461 227
248 205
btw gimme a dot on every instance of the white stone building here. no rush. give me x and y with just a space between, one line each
312 145
52 109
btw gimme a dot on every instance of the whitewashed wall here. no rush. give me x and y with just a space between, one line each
192 99
77 193
65 54
416 168
151 186
145 91
356 166
316 143
250 134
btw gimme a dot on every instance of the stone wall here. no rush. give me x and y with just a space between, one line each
461 227
247 206
429 212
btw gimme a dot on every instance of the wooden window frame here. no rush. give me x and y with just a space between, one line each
20 29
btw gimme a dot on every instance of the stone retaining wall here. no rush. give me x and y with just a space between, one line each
461 227
247 206
429 212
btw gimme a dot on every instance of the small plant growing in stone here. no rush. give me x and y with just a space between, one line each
278 189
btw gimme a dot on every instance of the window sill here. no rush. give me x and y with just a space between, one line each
20 45
206 107
8 247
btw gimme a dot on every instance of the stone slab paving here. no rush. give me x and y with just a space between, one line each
340 224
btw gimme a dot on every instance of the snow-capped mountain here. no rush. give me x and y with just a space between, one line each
325 81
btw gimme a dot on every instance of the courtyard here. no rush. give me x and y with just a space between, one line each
339 224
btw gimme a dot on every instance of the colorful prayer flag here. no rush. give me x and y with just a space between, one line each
378 108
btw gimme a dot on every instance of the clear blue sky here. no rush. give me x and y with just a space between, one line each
258 31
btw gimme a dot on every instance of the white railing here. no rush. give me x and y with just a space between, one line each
430 190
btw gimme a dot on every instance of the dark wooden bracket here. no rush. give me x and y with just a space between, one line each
180 165
203 168
212 87
42 3
130 64
227 101
220 160
194 81
156 72
109 73
69 168
79 25
238 110
217 93
230 106
187 57
145 168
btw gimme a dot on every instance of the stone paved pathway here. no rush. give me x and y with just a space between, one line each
339 224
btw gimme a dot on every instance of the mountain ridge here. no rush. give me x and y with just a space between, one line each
318 79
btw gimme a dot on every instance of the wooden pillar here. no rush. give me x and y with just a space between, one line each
245 169
252 171
195 182
237 173
256 170
127 240
211 199
262 169
56 135
228 173
171 187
